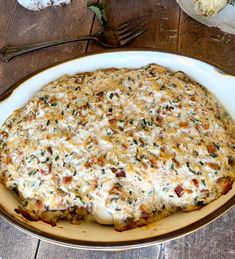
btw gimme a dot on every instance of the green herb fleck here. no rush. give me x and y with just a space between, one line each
44 99
201 162
32 173
213 155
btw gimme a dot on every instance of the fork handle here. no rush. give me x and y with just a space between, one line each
7 53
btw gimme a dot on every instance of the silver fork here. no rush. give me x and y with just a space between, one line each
110 37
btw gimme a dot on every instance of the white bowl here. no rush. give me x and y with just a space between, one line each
92 235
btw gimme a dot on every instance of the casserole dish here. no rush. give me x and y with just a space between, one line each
91 235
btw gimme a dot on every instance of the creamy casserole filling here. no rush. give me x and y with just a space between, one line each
125 147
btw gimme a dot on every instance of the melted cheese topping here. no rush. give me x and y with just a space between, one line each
125 146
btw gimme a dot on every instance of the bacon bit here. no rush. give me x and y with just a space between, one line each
95 184
159 119
125 146
197 128
30 117
184 124
100 105
20 153
188 191
49 150
113 169
231 161
154 163
100 161
67 179
4 134
196 183
8 160
95 141
100 94
4 173
87 165
77 80
39 205
96 160
144 165
116 190
180 97
49 167
126 124
211 148
43 172
130 133
193 98
176 162
213 166
179 190
121 173
141 141
85 106
52 100
112 121
110 112
118 172
144 212
180 105
205 125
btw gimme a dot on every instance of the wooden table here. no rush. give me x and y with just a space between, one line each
170 30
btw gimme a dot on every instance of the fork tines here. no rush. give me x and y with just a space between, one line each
132 29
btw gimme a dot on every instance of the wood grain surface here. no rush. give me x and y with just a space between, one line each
170 30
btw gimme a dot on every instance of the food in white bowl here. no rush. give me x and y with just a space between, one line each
37 5
121 146
209 7
224 19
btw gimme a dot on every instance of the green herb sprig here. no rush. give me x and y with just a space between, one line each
99 10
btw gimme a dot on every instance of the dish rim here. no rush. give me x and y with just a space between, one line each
114 245
5 94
